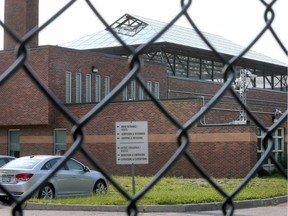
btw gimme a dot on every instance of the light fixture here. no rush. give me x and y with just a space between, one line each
94 69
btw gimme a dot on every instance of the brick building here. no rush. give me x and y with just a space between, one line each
183 77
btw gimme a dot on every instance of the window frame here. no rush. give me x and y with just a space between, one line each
68 87
141 93
88 88
157 90
277 153
106 85
133 90
78 89
59 151
125 94
12 151
97 88
149 87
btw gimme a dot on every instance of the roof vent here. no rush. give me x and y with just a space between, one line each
128 25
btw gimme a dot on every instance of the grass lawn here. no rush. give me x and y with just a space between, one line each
175 190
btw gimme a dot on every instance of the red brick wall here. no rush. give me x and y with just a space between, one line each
224 151
261 102
23 104
21 101
62 60
218 159
33 139
21 16
226 154
53 62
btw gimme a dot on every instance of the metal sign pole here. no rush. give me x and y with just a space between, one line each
133 178
132 145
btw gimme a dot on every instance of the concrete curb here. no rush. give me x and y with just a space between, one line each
159 208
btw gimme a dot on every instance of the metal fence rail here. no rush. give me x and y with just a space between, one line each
135 67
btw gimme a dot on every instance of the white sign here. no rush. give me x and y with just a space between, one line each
132 142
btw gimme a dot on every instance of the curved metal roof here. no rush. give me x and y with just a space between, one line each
135 30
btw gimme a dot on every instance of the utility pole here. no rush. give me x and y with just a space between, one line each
241 86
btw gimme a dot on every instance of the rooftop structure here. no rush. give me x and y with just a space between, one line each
184 52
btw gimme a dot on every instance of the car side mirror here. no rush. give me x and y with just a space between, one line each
86 169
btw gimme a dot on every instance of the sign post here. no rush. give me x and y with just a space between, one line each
132 145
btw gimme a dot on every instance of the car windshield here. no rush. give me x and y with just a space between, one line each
27 163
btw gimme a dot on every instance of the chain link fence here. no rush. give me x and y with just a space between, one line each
136 64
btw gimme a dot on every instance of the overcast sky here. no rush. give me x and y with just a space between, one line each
236 20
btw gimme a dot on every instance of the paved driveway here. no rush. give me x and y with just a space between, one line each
279 210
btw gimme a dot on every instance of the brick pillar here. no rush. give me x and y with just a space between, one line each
21 16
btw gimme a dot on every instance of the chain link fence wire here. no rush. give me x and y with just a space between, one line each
136 64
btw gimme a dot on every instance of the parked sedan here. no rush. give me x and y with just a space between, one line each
73 179
5 159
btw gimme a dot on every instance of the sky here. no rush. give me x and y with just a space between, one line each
237 20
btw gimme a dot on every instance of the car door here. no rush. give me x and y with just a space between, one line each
79 181
61 179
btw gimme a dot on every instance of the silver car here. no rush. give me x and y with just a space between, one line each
5 159
73 179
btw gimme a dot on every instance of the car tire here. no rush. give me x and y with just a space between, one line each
46 192
5 200
100 187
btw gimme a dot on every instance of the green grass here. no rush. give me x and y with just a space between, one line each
174 190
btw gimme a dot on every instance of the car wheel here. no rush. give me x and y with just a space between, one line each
5 201
100 187
46 192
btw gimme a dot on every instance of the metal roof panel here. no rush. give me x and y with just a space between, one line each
176 35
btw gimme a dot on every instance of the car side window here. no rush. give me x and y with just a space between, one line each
73 165
48 165
2 162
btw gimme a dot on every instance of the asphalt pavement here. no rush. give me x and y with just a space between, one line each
265 207
278 210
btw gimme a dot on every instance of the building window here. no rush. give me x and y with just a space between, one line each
78 88
107 85
68 87
141 93
133 90
88 88
97 88
149 86
278 151
157 90
125 93
60 145
14 142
